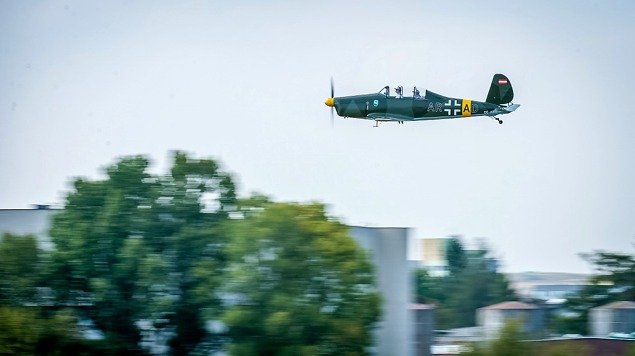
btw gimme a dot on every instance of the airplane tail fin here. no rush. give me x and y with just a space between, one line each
500 92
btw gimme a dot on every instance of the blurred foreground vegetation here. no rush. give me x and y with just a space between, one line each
177 264
512 342
613 280
473 282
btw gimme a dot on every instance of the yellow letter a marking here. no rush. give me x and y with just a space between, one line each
467 108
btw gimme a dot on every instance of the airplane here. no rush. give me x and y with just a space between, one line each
383 107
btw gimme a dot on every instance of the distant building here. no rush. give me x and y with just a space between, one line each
449 350
550 287
550 292
617 317
492 318
423 328
459 336
35 222
388 249
434 256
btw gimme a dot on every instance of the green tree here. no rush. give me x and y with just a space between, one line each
614 280
615 269
459 295
19 331
297 285
509 342
428 289
27 325
578 305
455 254
20 268
25 331
131 248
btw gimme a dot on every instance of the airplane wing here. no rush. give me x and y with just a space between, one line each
388 117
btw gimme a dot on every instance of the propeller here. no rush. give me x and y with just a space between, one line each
331 101
332 88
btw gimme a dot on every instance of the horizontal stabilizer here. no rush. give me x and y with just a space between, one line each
512 107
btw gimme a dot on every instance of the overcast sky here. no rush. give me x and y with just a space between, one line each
85 82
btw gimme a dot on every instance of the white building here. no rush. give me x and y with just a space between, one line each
388 248
492 318
28 221
617 317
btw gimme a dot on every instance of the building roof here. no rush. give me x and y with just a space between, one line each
617 305
509 305
420 306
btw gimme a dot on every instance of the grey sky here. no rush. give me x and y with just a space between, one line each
84 82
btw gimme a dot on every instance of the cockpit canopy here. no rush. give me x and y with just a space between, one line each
399 92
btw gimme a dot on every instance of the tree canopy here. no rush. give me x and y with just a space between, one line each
131 247
616 270
473 282
300 285
20 270
613 280
176 263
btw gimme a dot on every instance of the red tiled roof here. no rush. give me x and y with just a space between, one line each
618 305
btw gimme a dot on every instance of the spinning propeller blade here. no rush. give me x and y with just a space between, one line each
332 88
332 96
331 101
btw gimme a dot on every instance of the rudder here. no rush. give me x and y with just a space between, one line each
500 92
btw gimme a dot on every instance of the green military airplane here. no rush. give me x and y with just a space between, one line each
383 107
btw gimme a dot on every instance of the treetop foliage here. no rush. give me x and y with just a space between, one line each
302 284
471 284
151 261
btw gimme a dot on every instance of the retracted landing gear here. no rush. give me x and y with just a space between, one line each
378 121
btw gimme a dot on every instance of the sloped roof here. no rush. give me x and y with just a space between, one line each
618 305
509 305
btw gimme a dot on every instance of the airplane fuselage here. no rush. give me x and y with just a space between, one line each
431 106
